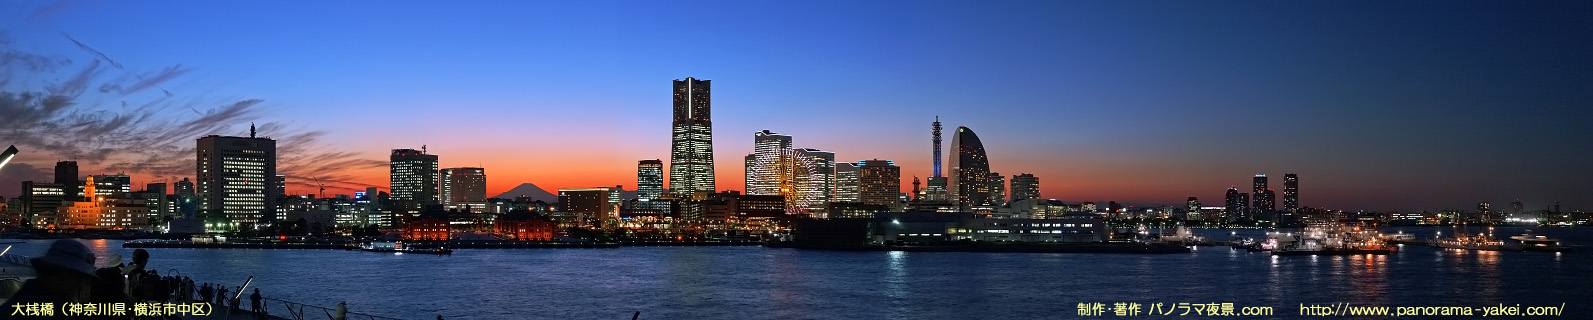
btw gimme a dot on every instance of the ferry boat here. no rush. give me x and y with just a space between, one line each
1531 242
1401 238
400 247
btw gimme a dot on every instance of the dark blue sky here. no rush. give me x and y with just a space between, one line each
1403 105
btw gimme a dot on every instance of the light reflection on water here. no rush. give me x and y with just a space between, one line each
754 282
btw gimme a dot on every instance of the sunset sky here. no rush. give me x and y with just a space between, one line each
1377 105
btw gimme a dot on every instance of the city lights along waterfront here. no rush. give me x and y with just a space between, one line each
865 160
771 283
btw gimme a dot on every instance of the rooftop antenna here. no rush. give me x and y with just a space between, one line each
423 149
251 129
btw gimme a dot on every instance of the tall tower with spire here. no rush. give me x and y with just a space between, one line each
936 190
936 140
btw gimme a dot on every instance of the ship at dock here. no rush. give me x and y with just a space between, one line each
401 247
1487 242
1328 239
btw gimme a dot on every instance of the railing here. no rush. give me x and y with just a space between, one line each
300 311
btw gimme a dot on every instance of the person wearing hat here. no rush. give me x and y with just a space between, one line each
65 274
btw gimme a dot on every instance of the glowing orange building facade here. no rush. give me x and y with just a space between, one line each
428 226
525 226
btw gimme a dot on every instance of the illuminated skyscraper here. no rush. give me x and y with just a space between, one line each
847 181
650 184
880 183
413 177
459 185
998 189
233 181
935 188
760 175
1291 192
1236 207
691 155
970 172
111 184
1259 200
1025 186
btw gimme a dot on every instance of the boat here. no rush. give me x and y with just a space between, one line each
1402 238
1329 239
401 247
1477 242
1532 242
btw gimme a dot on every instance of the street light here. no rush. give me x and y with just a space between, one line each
6 156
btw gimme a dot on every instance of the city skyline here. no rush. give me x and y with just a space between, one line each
1370 147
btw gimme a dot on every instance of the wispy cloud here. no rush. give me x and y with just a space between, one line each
126 126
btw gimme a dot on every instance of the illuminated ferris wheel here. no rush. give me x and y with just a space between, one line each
790 173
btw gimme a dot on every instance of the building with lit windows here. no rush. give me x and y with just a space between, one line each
762 176
1237 205
847 181
413 177
880 183
1291 192
650 185
804 177
462 185
1260 200
40 201
592 207
969 180
1025 186
104 212
524 225
998 189
111 184
233 177
691 155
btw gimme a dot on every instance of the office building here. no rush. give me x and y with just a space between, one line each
39 203
592 207
998 189
232 181
691 155
413 177
763 175
847 181
462 185
650 185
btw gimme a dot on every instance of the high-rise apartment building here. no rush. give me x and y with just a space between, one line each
1291 192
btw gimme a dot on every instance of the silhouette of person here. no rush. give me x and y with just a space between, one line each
254 301
64 274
